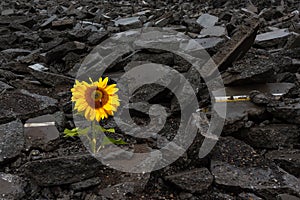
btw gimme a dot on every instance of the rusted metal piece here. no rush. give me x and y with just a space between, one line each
237 46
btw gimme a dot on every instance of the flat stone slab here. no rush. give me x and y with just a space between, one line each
207 20
64 170
235 164
11 186
11 140
195 181
24 105
41 132
272 136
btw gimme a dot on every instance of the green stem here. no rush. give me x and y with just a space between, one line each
94 139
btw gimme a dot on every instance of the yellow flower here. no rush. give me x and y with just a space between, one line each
97 100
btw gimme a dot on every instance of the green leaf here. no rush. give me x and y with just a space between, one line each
75 132
71 133
100 128
109 140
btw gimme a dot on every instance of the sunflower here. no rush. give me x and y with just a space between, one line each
97 100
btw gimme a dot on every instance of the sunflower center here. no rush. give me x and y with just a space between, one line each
97 95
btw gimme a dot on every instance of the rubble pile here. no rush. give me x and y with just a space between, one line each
254 44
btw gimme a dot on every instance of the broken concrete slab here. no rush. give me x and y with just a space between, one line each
271 136
11 186
213 31
194 181
238 113
52 79
236 164
24 105
267 88
64 23
274 38
4 87
60 51
49 21
11 139
128 23
287 159
41 133
64 170
7 12
207 20
286 111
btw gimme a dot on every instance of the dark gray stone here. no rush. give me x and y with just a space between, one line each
41 132
52 79
259 98
64 170
129 23
60 51
194 181
132 184
272 136
287 197
4 87
24 105
289 160
237 165
11 187
11 139
97 38
248 196
286 111
86 184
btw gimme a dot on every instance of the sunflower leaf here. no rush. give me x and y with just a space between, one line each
75 132
109 140
101 129
71 133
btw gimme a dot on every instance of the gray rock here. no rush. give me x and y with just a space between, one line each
289 160
52 79
41 132
24 105
7 12
207 20
194 181
134 183
4 87
62 50
86 184
63 24
272 136
273 38
129 23
248 196
235 164
214 31
238 113
286 111
64 170
251 70
162 22
16 52
11 187
209 43
287 197
49 21
259 98
97 38
11 140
